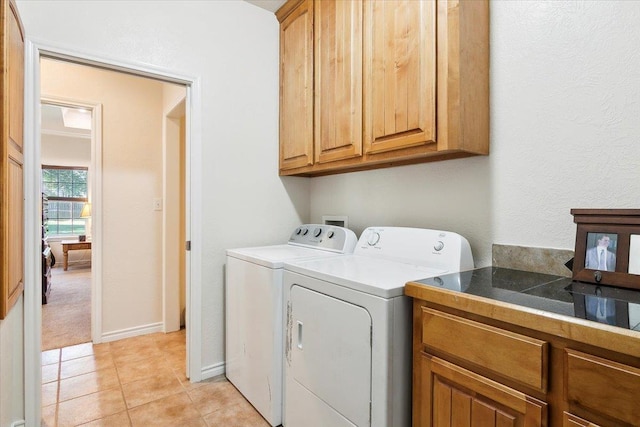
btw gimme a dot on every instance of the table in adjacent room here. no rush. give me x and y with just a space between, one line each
72 245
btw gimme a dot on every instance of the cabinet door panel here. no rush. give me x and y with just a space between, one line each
462 398
400 82
296 88
338 80
11 161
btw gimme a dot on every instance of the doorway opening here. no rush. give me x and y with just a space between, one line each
68 131
134 188
118 194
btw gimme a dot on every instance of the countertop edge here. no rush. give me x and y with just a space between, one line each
608 337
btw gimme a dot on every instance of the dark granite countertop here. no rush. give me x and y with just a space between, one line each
555 294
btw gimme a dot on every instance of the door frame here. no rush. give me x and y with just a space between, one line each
34 50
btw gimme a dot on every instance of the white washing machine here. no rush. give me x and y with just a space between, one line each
348 337
254 307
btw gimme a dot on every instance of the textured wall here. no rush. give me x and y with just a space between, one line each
565 107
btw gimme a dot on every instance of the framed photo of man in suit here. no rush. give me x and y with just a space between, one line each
601 252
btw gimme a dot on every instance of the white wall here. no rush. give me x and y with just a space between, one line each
12 365
232 47
565 102
65 151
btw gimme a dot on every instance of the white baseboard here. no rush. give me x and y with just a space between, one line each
213 370
132 332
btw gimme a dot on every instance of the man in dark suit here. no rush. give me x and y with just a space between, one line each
600 257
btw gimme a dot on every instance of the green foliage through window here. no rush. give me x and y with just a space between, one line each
66 189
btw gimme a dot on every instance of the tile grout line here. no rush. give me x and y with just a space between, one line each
126 407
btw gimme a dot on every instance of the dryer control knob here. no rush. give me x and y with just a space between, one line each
438 246
305 231
317 232
330 234
373 238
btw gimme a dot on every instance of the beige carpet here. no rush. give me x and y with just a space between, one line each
66 318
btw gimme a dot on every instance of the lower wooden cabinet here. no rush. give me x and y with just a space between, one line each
475 370
602 386
455 396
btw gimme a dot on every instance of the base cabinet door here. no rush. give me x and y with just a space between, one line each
453 396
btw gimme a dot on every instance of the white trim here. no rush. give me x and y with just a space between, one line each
33 242
95 197
213 370
193 232
34 49
132 332
74 55
96 223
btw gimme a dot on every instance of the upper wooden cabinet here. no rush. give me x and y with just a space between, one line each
338 80
12 159
296 87
400 75
394 82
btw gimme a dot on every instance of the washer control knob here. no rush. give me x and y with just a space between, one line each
373 238
438 246
298 231
330 234
305 231
317 232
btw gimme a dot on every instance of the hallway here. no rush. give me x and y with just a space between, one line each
134 382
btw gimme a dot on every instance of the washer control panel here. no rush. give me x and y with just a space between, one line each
327 237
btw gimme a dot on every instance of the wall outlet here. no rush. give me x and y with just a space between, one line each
157 204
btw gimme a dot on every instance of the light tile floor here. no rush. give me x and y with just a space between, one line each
136 382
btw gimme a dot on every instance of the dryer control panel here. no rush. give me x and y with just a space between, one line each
433 248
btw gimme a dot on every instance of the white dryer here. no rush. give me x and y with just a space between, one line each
254 307
348 336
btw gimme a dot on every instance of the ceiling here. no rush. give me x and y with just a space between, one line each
52 123
270 5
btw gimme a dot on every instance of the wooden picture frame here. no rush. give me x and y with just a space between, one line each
607 245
